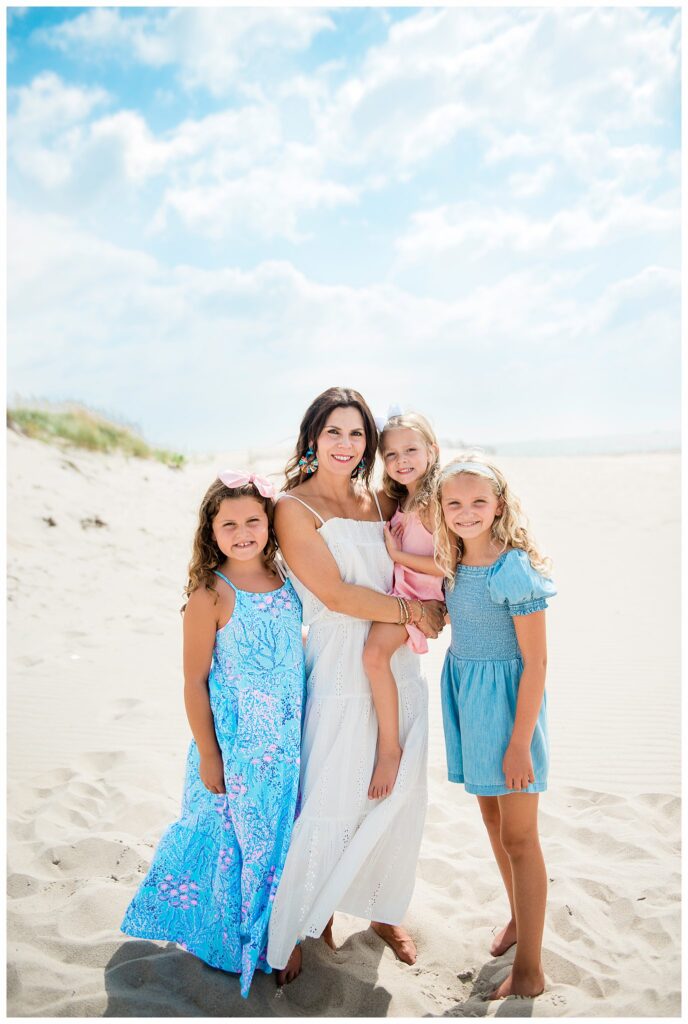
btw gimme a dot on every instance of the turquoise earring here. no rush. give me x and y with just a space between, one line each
308 462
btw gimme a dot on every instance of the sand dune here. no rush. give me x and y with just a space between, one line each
97 740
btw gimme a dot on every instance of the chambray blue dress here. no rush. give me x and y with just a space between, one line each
482 670
214 875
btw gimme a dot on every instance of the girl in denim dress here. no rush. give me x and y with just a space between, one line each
493 689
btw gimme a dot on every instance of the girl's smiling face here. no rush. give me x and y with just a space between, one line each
241 528
405 455
341 443
469 505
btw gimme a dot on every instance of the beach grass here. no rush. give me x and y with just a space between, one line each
82 427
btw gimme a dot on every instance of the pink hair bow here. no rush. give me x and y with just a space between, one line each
231 478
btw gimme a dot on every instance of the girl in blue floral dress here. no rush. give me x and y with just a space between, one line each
214 875
493 689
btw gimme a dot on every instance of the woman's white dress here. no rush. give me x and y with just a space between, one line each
347 852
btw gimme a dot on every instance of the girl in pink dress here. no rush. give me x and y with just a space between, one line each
410 456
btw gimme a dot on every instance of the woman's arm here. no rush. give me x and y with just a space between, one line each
200 627
531 636
309 557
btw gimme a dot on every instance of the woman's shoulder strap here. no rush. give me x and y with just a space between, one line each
294 496
223 577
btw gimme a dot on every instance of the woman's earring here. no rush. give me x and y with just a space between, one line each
360 467
309 462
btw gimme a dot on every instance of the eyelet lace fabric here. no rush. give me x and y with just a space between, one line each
347 852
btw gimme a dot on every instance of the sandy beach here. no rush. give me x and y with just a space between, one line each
97 552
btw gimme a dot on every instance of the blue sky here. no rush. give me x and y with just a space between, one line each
215 214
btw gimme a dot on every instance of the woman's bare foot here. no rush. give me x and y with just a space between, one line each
398 939
504 940
293 968
521 983
385 773
327 934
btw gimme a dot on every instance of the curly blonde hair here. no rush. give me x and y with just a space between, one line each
206 555
509 529
422 499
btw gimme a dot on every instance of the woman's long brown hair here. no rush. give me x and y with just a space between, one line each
312 424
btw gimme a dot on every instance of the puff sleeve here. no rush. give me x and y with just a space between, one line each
513 582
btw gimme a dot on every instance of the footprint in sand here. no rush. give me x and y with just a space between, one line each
121 708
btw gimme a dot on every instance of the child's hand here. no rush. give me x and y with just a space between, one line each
393 535
212 772
518 766
432 622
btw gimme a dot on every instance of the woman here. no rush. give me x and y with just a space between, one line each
347 852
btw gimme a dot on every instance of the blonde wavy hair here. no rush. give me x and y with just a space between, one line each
422 499
206 555
509 529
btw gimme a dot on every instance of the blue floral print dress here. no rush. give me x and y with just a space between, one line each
214 875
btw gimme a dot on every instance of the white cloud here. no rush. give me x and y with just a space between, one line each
525 184
210 148
505 79
589 224
518 341
529 82
225 172
268 199
653 290
211 47
45 130
543 252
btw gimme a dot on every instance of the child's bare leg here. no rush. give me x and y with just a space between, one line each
489 807
383 640
519 836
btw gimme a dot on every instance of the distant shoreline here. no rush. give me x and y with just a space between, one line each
73 425
629 444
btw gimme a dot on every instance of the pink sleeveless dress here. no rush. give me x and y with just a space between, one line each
416 540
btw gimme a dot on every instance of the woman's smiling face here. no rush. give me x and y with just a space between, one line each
342 441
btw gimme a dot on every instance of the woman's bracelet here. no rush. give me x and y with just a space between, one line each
414 622
404 611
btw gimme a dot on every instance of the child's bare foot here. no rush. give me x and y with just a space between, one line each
398 939
385 774
504 940
293 968
521 983
327 934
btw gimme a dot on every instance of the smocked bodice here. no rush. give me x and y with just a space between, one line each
484 599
